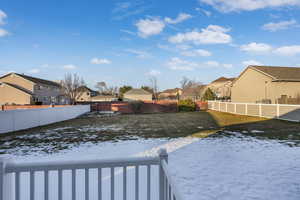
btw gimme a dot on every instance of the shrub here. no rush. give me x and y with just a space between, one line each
209 95
136 106
186 105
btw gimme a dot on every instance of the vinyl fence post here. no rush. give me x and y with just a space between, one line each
219 106
235 108
246 109
163 155
226 105
5 181
277 111
260 110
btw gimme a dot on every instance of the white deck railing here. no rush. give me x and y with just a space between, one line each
12 187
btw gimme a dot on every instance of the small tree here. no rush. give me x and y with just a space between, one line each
154 85
105 90
72 88
123 90
209 95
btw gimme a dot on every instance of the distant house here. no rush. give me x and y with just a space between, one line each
101 98
22 89
194 93
137 95
221 87
267 84
85 94
170 94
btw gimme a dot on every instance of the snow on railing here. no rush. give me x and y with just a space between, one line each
279 111
12 187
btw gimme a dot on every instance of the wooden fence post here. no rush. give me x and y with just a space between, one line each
163 155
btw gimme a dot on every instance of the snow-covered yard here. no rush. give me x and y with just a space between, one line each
227 165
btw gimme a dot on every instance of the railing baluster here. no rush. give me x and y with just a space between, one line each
148 182
32 185
124 183
60 185
99 183
73 184
170 192
46 185
87 183
112 183
136 182
17 185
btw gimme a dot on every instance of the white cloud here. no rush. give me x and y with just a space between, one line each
127 31
206 12
154 72
126 9
279 25
34 71
138 53
251 62
256 47
183 47
149 27
3 16
288 50
213 34
248 5
99 61
3 33
176 63
196 52
69 67
180 18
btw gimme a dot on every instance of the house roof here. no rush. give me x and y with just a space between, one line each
279 73
138 91
171 90
86 88
18 88
222 79
35 80
193 90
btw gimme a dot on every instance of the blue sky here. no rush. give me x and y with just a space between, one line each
127 42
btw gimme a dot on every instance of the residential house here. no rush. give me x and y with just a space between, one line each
194 93
221 87
137 95
267 84
170 94
85 94
22 89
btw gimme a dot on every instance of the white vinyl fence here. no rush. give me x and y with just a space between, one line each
14 120
278 111
131 178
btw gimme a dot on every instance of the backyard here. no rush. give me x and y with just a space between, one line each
225 156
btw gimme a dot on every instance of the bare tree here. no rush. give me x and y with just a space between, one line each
106 90
191 88
72 87
154 85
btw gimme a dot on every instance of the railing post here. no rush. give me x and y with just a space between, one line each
163 155
260 110
5 181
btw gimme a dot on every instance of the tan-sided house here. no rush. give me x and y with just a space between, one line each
85 94
170 94
137 95
266 84
221 87
16 88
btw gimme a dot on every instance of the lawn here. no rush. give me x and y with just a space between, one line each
96 128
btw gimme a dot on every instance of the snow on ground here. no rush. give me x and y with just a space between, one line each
228 166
